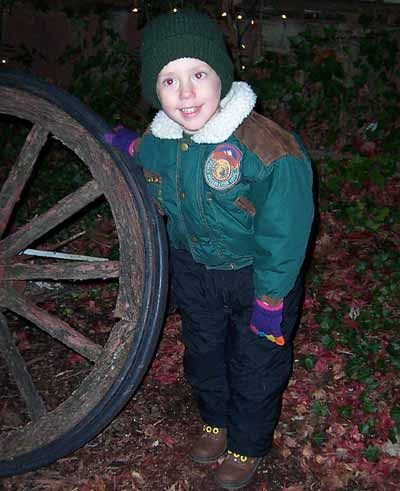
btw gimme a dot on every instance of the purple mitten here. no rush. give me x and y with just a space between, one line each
123 139
266 321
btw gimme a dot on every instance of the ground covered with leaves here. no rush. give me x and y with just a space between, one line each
340 424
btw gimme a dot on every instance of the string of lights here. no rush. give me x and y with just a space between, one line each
136 8
240 19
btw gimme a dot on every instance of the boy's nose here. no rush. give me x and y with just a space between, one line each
187 90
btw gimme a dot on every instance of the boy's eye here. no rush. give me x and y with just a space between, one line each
168 81
199 75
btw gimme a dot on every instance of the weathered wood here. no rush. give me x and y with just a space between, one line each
59 213
20 173
51 324
59 271
122 355
19 371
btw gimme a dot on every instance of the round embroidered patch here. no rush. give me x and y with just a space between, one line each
222 168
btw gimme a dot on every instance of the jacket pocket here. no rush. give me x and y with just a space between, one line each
245 205
151 177
232 213
154 184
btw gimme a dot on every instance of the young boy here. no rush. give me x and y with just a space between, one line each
237 191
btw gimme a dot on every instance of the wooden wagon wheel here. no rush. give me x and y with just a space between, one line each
115 365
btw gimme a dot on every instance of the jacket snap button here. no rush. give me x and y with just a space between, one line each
181 195
184 147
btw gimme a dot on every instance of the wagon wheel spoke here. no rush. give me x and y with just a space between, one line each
16 364
56 215
118 339
85 270
52 325
20 173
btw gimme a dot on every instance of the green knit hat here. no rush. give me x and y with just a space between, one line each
185 34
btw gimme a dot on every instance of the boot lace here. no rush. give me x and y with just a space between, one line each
213 430
238 456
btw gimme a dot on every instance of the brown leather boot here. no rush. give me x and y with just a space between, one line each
210 445
236 471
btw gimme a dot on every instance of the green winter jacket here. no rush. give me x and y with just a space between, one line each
236 193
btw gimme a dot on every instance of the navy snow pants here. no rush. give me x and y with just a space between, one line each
237 377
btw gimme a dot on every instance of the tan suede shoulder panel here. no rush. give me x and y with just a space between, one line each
267 139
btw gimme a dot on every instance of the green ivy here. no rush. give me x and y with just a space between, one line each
371 453
106 78
337 77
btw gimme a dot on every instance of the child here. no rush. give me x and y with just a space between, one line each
237 191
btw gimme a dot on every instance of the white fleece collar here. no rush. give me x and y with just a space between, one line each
234 108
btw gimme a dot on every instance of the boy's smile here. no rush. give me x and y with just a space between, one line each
189 91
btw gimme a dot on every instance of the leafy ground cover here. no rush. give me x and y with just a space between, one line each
340 425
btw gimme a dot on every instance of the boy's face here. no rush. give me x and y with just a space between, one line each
189 91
